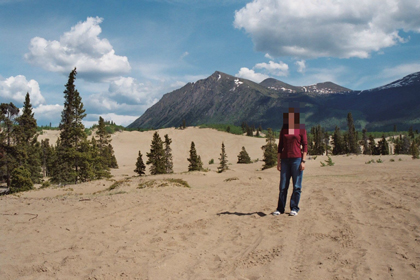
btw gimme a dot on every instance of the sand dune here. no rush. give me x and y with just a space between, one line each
357 220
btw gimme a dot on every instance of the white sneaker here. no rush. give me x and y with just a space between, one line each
293 213
276 213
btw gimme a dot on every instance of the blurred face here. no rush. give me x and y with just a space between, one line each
291 120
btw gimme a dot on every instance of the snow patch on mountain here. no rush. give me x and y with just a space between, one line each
283 89
406 81
237 84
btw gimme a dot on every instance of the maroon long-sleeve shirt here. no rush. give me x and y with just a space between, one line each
294 144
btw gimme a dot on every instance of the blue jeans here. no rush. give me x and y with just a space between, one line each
290 168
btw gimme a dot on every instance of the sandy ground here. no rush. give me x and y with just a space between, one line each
357 220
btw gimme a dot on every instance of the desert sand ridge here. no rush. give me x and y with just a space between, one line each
357 220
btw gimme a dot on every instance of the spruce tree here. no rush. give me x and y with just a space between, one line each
249 131
90 165
410 132
106 150
9 152
168 155
352 135
194 159
383 146
270 150
244 126
99 167
200 163
337 140
113 160
243 156
27 123
398 145
72 136
372 145
223 160
318 147
26 137
140 166
156 157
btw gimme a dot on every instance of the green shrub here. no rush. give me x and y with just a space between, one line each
211 161
21 180
45 184
328 161
379 161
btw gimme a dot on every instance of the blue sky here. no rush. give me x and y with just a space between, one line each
129 53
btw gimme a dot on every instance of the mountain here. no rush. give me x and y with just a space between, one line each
320 88
222 98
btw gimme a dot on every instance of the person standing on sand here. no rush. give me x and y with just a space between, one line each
291 157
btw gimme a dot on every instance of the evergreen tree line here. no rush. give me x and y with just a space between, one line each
249 130
350 142
25 161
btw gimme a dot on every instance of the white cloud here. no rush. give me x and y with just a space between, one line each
123 120
129 88
128 98
277 69
48 113
81 47
15 88
268 56
310 29
301 64
125 95
270 68
251 75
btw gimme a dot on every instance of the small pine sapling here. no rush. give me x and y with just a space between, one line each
140 166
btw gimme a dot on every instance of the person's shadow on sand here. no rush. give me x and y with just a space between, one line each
261 214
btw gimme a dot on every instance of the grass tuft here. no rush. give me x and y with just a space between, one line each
163 183
231 179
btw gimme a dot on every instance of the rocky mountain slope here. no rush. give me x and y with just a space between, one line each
222 98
